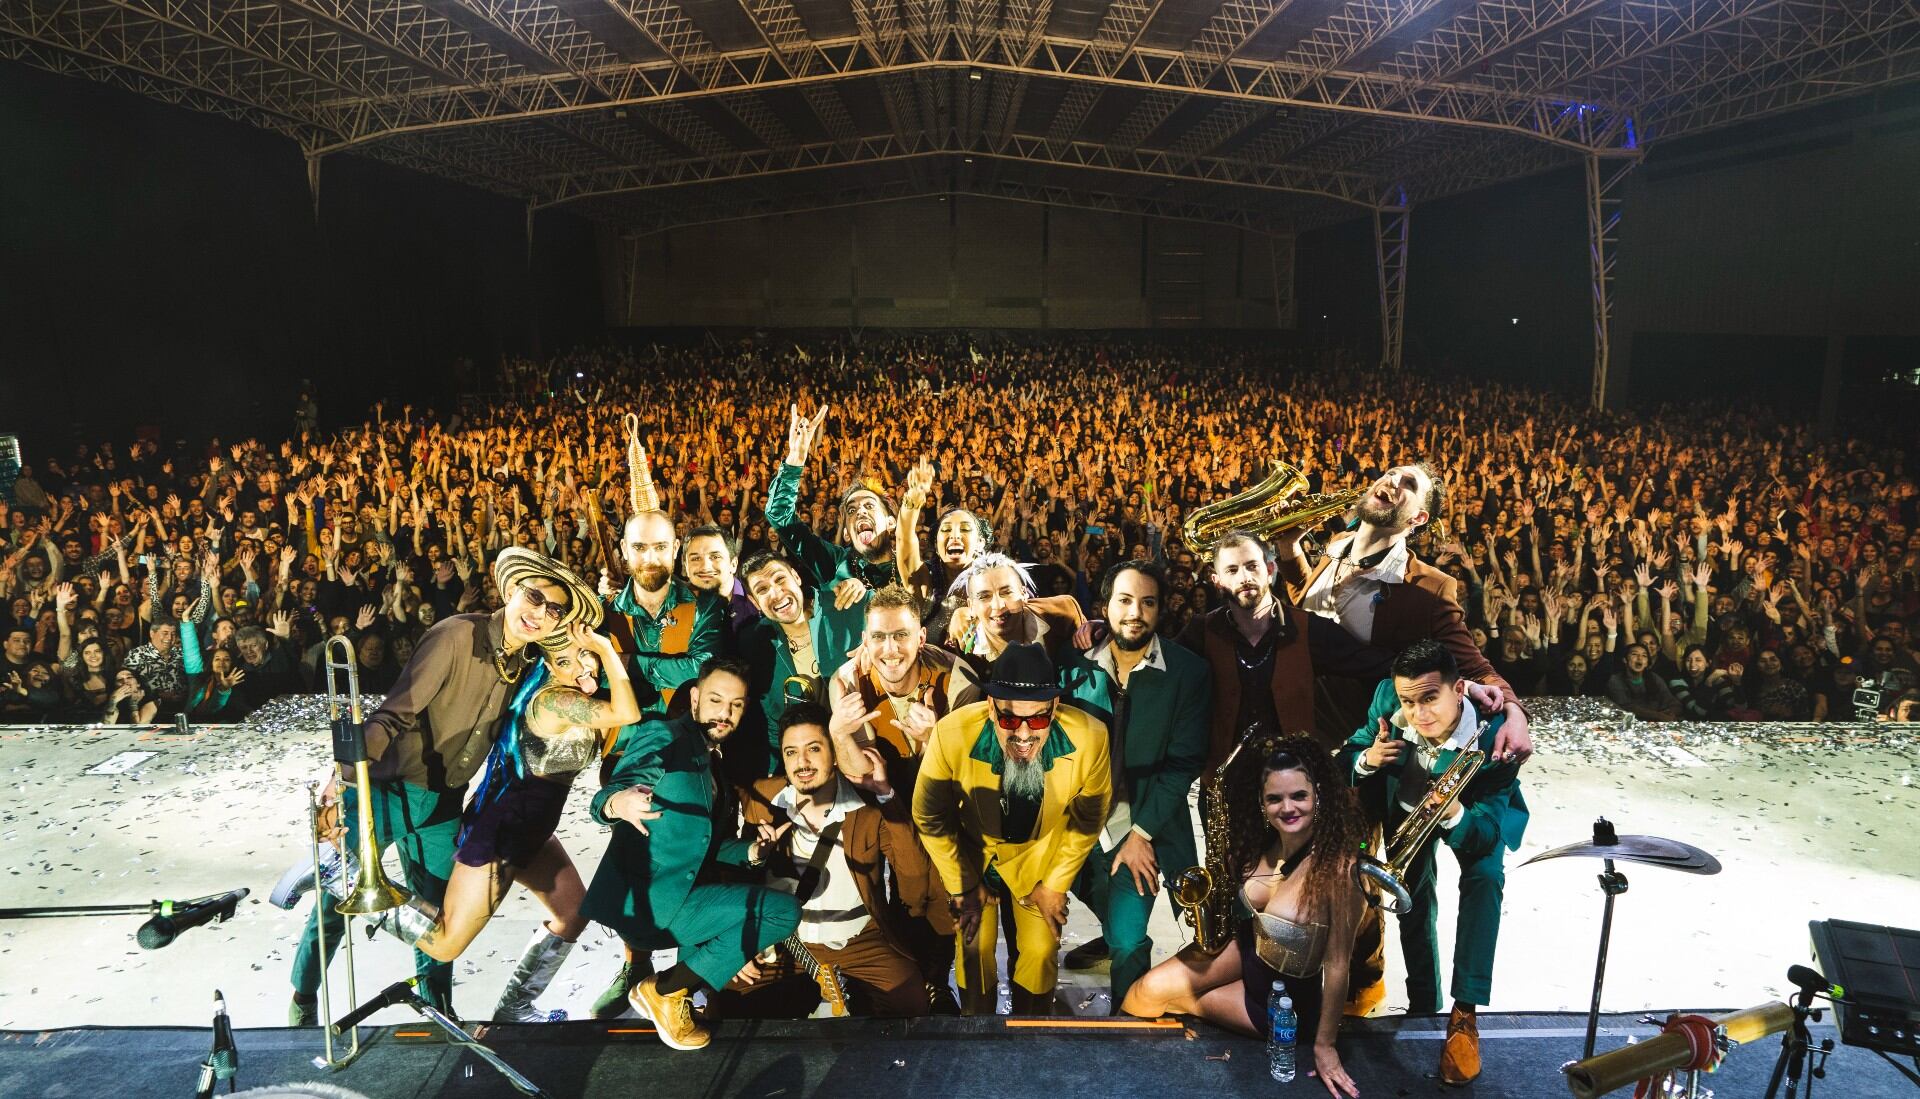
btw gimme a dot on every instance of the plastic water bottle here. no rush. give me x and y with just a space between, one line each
1283 1027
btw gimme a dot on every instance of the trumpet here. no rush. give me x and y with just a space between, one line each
1417 829
371 892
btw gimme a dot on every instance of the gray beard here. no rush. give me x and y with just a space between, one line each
1023 780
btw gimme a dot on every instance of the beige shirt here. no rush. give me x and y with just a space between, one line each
1347 594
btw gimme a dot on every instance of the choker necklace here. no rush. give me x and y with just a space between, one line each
1292 862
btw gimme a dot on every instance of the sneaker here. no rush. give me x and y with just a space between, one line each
1088 954
335 868
672 1015
303 1012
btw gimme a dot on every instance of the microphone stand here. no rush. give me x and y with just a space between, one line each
223 1060
1796 1046
151 908
404 993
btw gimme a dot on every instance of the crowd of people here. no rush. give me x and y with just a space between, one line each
888 649
1699 563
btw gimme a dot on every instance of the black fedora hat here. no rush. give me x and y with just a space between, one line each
1024 673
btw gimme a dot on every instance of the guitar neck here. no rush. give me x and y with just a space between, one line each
802 955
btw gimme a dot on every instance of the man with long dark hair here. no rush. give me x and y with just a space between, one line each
1156 698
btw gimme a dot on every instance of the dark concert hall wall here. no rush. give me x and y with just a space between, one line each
163 268
968 262
1745 256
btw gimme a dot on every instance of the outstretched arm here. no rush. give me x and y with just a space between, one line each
559 708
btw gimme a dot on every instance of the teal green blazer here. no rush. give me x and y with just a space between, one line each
1168 721
1496 813
644 878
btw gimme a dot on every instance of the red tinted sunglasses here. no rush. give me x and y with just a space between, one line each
1011 722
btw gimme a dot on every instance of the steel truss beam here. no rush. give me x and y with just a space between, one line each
1390 230
900 190
1604 176
1160 164
1543 117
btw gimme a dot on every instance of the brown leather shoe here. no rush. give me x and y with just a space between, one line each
672 1015
1460 1060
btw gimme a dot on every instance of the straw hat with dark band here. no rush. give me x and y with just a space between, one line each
516 566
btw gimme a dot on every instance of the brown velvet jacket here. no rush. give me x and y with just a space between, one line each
873 838
1425 606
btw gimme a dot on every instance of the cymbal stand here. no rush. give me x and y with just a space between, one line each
1612 884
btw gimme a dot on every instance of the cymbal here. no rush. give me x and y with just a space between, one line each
1649 850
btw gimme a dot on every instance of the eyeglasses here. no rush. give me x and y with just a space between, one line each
1012 722
554 608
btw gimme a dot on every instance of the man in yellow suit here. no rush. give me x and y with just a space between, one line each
1011 798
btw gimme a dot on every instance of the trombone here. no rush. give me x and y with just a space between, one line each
370 893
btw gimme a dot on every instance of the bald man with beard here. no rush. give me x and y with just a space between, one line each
663 627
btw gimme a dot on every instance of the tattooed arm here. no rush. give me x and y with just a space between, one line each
565 705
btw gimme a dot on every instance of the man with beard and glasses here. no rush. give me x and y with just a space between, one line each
1010 801
1371 583
887 701
834 842
672 813
866 519
664 627
1155 698
710 559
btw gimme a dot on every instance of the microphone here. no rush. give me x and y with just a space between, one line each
224 1061
1813 984
174 918
399 992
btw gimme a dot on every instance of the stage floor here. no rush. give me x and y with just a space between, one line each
875 1059
1810 823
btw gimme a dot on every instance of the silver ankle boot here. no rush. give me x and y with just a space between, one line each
538 964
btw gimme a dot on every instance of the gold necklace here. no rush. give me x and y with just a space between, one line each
500 666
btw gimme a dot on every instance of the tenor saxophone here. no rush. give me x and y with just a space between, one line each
1205 892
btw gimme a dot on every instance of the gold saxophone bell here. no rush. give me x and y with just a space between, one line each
1266 509
1190 892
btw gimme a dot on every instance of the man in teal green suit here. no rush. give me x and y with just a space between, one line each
802 637
650 888
1156 699
867 520
664 627
1419 723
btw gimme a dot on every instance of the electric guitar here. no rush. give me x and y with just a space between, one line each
833 987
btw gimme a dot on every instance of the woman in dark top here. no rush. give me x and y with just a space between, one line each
1297 911
90 683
